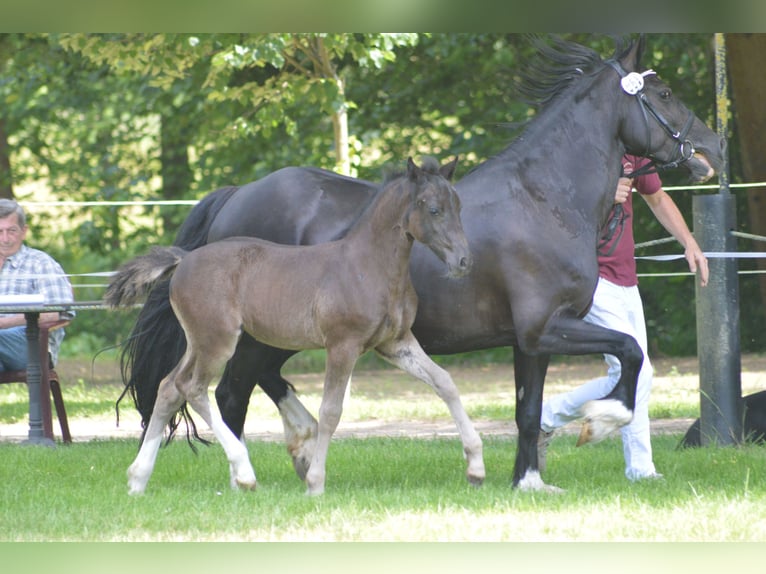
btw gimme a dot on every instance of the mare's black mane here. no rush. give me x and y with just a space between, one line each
557 64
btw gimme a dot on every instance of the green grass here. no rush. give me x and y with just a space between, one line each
381 490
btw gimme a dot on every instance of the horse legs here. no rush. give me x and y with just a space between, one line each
240 470
570 336
340 363
254 362
407 354
189 381
529 374
167 403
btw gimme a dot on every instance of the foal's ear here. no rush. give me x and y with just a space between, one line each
448 169
413 171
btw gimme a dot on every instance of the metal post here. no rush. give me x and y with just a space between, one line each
718 303
34 382
718 323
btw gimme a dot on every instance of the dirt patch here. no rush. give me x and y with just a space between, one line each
670 373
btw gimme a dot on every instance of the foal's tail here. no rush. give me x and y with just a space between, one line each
136 278
157 341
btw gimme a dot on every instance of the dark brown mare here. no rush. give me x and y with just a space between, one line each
532 215
347 296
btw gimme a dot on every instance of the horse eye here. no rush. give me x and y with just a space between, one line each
434 211
666 94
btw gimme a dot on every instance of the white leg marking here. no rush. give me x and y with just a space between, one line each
601 418
143 465
241 471
532 481
300 432
408 355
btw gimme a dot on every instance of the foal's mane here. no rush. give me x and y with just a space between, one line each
557 64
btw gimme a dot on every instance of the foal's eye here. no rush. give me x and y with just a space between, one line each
433 210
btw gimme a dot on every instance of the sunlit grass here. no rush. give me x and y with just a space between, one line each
382 489
487 392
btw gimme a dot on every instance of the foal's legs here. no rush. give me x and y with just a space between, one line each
241 471
255 362
168 401
340 363
407 354
189 381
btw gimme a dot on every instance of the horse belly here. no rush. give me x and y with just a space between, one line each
281 322
460 315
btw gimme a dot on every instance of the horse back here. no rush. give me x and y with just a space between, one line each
291 297
294 206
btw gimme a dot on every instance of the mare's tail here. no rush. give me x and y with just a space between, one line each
157 340
136 278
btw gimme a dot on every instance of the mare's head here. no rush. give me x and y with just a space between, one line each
658 125
652 122
434 215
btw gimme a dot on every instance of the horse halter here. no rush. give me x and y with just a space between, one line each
633 84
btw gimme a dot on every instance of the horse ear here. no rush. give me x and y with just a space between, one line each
448 169
413 171
632 59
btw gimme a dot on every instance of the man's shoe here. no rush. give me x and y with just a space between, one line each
543 440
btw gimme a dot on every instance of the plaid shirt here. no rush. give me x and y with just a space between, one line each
31 271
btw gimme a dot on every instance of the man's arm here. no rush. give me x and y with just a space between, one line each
667 213
18 319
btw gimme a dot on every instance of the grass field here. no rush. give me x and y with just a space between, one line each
380 488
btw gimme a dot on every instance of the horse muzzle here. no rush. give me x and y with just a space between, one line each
459 265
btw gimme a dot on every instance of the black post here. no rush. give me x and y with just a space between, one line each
718 323
718 303
34 382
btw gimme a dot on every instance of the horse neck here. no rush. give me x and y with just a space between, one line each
380 231
568 156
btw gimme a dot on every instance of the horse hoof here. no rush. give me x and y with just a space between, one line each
533 482
301 466
602 418
476 480
249 485
301 451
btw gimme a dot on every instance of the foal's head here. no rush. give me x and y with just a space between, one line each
434 216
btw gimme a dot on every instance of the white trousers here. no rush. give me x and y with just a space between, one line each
617 308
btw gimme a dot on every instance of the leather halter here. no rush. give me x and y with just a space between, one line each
633 85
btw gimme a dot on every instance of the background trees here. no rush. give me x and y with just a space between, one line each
105 117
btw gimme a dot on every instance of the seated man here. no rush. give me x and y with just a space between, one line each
26 271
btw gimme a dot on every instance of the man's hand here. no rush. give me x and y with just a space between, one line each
624 185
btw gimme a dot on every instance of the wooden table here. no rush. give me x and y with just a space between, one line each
34 373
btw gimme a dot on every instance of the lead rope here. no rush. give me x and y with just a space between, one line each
616 220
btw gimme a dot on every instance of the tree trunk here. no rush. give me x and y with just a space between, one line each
748 88
327 70
6 179
340 126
